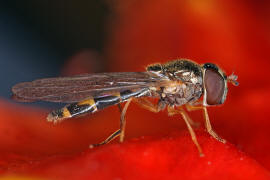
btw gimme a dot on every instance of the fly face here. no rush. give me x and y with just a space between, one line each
215 84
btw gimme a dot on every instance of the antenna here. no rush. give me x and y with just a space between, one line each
232 79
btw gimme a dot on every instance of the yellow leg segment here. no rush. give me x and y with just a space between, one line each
120 132
207 121
172 111
148 105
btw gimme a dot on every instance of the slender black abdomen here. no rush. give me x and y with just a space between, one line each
103 102
92 105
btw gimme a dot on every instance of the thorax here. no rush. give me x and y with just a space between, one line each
184 82
180 93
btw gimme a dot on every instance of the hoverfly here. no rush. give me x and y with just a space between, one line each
176 84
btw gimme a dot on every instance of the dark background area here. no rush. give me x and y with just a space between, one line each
38 37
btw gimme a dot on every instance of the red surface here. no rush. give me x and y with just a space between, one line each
160 158
234 35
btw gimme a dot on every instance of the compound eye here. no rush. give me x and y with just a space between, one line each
215 87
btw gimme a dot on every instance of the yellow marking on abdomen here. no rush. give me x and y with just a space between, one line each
66 113
117 94
90 102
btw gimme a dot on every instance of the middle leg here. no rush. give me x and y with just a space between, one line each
172 111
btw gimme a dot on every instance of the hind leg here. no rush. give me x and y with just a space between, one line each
120 132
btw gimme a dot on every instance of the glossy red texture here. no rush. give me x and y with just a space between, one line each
234 35
155 158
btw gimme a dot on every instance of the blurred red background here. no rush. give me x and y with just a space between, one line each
233 34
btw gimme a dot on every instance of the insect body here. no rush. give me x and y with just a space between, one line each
176 83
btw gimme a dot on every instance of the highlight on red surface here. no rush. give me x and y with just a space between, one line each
162 156
232 34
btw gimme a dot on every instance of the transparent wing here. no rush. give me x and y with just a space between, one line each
77 88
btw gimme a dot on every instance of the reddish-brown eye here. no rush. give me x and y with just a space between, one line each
215 86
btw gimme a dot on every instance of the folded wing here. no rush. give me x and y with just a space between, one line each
78 88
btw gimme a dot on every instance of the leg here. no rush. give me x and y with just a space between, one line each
207 122
172 111
120 108
146 104
120 132
123 121
191 122
110 138
141 101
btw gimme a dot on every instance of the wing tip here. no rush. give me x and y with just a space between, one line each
20 99
16 90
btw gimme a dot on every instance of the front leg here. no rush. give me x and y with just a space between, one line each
207 121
